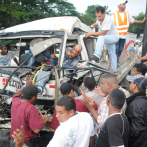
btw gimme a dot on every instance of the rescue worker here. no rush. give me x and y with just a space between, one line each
122 19
108 35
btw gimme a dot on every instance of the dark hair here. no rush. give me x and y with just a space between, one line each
100 9
90 83
139 89
68 102
65 92
117 98
141 68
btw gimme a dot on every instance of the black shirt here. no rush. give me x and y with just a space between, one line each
114 132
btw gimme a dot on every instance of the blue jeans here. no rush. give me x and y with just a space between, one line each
33 59
110 41
119 47
12 144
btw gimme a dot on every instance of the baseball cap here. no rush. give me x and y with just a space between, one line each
29 91
139 80
121 2
66 88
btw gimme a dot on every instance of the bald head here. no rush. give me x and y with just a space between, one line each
78 46
76 51
111 79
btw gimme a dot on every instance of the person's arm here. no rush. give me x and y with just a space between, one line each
138 21
92 141
15 60
94 25
136 120
28 82
89 103
45 120
138 59
54 123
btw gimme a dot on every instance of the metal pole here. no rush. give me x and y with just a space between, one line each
144 48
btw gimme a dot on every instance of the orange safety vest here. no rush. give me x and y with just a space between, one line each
122 26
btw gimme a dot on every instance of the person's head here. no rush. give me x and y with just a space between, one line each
89 83
100 13
138 83
76 51
30 93
66 89
108 83
65 108
139 69
4 49
122 5
116 99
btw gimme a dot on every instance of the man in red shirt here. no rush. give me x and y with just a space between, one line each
66 89
25 114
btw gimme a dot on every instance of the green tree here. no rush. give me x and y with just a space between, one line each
88 20
13 12
137 28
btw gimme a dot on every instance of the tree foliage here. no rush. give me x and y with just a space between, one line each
137 28
89 17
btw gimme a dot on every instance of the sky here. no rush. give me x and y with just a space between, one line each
133 6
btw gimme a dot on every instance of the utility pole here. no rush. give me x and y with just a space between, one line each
144 48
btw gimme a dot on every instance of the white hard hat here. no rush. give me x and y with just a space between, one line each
121 2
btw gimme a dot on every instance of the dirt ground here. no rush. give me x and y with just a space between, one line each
42 141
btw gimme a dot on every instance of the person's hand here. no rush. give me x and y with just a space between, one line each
53 56
99 91
68 53
87 35
28 80
43 116
91 27
138 59
88 102
144 20
18 136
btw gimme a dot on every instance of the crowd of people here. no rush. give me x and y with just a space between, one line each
104 116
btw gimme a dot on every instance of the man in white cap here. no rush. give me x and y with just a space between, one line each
122 19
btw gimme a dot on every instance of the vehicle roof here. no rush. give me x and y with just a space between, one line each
66 23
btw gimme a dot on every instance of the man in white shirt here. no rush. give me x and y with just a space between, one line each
90 84
139 50
122 19
108 35
76 128
6 56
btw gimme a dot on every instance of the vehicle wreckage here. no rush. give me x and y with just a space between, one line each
57 33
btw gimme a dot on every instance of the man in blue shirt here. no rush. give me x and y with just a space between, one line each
72 56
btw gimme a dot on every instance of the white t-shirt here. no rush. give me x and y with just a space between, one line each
75 132
108 24
93 95
5 60
139 50
131 19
